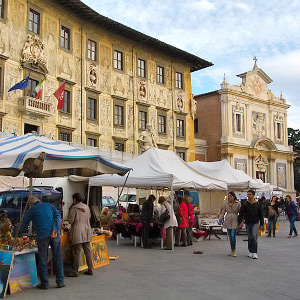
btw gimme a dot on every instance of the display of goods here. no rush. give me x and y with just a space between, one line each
98 231
8 242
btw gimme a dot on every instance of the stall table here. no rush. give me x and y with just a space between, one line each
134 230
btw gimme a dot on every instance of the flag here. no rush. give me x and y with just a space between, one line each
38 89
60 94
20 85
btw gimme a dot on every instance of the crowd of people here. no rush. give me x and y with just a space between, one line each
177 221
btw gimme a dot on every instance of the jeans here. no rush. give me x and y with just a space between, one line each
272 221
252 230
181 236
189 233
232 238
292 220
43 245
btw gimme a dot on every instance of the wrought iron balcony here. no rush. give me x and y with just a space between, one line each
36 106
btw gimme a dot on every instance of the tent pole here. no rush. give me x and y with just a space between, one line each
210 201
172 224
88 196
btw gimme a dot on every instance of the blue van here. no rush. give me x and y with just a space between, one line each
13 202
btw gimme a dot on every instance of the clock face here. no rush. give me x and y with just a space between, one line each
256 85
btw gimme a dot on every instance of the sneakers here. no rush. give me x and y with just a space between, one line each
60 285
250 255
254 256
295 235
289 236
269 235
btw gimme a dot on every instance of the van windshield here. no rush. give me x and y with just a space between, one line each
131 198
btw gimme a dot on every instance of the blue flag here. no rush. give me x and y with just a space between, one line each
20 85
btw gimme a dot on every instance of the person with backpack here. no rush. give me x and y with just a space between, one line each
291 212
272 214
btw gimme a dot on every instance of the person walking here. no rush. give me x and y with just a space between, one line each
231 208
169 224
80 235
187 201
46 221
272 214
252 213
291 212
147 219
183 224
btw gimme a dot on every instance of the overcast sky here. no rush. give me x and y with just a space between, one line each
227 33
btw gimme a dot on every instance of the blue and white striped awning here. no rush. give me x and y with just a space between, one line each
19 153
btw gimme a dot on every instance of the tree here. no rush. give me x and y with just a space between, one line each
294 140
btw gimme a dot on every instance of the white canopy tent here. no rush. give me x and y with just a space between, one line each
158 169
236 179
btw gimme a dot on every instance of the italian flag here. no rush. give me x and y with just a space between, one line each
38 89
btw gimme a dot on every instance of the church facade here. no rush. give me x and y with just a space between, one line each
117 80
247 125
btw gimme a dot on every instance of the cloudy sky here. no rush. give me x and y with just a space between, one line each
227 33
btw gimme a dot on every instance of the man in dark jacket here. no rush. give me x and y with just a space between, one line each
252 213
46 220
147 219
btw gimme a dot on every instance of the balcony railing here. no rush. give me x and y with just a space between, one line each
35 106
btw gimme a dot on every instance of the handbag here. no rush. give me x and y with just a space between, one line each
165 216
272 214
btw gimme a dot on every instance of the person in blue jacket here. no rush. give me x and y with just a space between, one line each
291 212
46 220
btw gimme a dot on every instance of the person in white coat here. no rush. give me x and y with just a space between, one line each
172 222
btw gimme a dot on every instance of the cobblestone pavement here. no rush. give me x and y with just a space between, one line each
156 274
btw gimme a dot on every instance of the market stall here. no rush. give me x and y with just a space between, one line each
160 169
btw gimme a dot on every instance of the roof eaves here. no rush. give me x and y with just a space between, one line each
196 63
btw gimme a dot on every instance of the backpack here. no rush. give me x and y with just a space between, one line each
272 214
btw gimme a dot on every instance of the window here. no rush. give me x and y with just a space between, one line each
92 50
181 154
67 103
119 146
1 83
65 136
34 21
30 89
92 142
141 68
119 115
142 120
92 109
2 2
196 126
278 131
65 38
160 75
162 128
180 128
118 60
178 80
238 122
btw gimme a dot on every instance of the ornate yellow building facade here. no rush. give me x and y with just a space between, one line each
247 125
117 79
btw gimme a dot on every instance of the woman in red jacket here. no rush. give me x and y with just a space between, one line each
190 207
183 224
